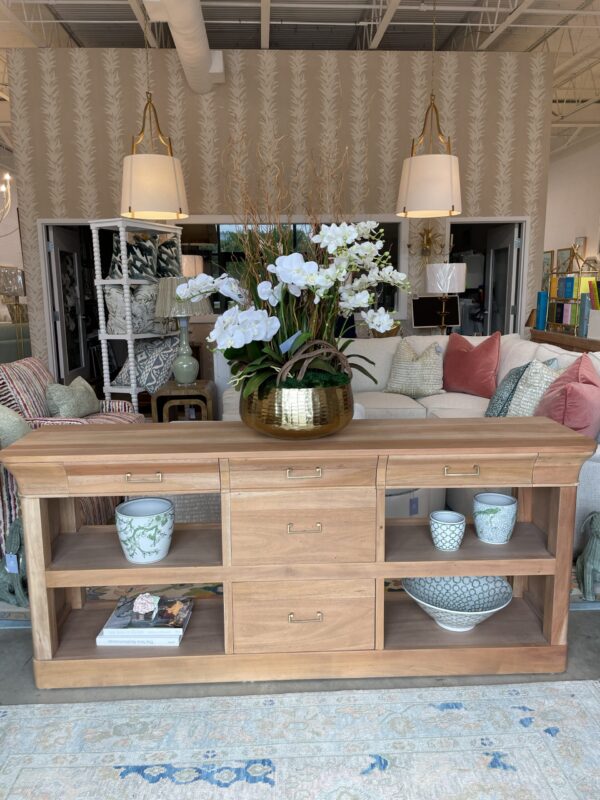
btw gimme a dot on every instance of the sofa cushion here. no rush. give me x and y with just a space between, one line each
515 352
500 402
462 405
564 357
416 375
23 387
534 383
384 405
74 401
574 398
381 352
153 362
471 369
12 426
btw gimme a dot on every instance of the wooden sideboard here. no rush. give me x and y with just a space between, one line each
579 344
302 551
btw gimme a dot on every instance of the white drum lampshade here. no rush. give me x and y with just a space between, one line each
153 188
429 187
191 266
446 278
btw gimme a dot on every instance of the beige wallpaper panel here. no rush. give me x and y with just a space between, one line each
316 132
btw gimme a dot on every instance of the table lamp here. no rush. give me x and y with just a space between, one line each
191 266
446 279
168 306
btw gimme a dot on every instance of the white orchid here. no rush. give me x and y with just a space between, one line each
380 320
350 301
393 276
365 230
197 288
294 271
332 237
236 328
232 288
266 291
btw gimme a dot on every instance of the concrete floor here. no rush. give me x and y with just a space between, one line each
17 687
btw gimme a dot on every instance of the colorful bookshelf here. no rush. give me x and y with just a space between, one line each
567 308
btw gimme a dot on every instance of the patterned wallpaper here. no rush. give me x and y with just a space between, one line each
307 130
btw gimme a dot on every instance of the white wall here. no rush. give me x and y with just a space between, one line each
573 203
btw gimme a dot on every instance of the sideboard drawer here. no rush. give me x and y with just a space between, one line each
131 479
287 527
298 473
303 616
461 470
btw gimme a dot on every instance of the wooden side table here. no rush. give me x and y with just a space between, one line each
200 395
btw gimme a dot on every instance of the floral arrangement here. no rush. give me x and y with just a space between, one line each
283 306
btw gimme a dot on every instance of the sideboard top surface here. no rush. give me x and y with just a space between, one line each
213 440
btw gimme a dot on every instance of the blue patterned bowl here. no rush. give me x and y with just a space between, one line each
447 529
494 516
459 603
145 528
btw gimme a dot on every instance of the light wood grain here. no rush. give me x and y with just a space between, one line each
135 478
303 526
410 553
299 616
560 542
301 473
454 470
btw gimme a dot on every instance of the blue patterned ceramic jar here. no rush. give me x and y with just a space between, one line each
494 516
447 529
145 528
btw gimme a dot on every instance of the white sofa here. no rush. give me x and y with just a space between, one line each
379 404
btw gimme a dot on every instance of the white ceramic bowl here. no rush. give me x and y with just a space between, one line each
494 516
447 529
459 603
145 528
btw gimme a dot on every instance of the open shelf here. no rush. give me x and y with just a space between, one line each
94 557
203 637
411 552
408 627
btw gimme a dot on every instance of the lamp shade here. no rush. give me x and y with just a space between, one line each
153 187
168 304
192 266
429 186
446 278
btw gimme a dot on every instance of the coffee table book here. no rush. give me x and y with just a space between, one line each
164 629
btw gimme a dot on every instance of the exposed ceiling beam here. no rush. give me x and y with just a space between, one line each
383 24
265 23
563 23
503 26
37 38
563 68
140 15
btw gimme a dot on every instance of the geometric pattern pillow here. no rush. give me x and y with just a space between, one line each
153 361
500 402
141 258
416 376
143 305
167 259
536 379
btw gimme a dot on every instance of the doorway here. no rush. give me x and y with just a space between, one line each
492 252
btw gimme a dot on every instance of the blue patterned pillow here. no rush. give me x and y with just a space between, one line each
153 361
499 403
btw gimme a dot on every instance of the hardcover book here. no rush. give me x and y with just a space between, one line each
147 618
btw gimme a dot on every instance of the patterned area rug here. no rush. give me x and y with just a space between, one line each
513 742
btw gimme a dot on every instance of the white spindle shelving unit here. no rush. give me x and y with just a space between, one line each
123 226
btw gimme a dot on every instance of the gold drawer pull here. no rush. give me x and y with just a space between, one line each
317 529
317 618
318 473
474 474
156 478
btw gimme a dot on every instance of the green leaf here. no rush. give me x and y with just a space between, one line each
299 341
364 358
255 382
358 368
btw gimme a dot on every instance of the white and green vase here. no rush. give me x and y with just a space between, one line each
494 516
145 528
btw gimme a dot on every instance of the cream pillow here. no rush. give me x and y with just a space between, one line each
534 383
416 375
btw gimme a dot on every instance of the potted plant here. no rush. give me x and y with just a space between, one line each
283 335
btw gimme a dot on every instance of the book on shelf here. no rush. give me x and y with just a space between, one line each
566 320
147 620
584 314
553 285
569 287
561 287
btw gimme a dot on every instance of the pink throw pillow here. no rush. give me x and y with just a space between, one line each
574 398
471 369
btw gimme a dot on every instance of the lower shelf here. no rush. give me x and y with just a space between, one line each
408 627
203 637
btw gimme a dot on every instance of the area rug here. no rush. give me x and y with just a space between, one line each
511 742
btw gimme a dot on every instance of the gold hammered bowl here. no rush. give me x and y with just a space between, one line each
298 413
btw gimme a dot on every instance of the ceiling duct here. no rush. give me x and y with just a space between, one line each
202 68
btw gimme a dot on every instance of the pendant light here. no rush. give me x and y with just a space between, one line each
152 186
430 182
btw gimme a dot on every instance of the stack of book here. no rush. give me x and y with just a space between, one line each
147 621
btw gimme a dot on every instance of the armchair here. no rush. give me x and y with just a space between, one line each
23 389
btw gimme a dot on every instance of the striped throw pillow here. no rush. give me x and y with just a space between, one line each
416 375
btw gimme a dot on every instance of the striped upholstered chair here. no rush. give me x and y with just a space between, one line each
23 389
